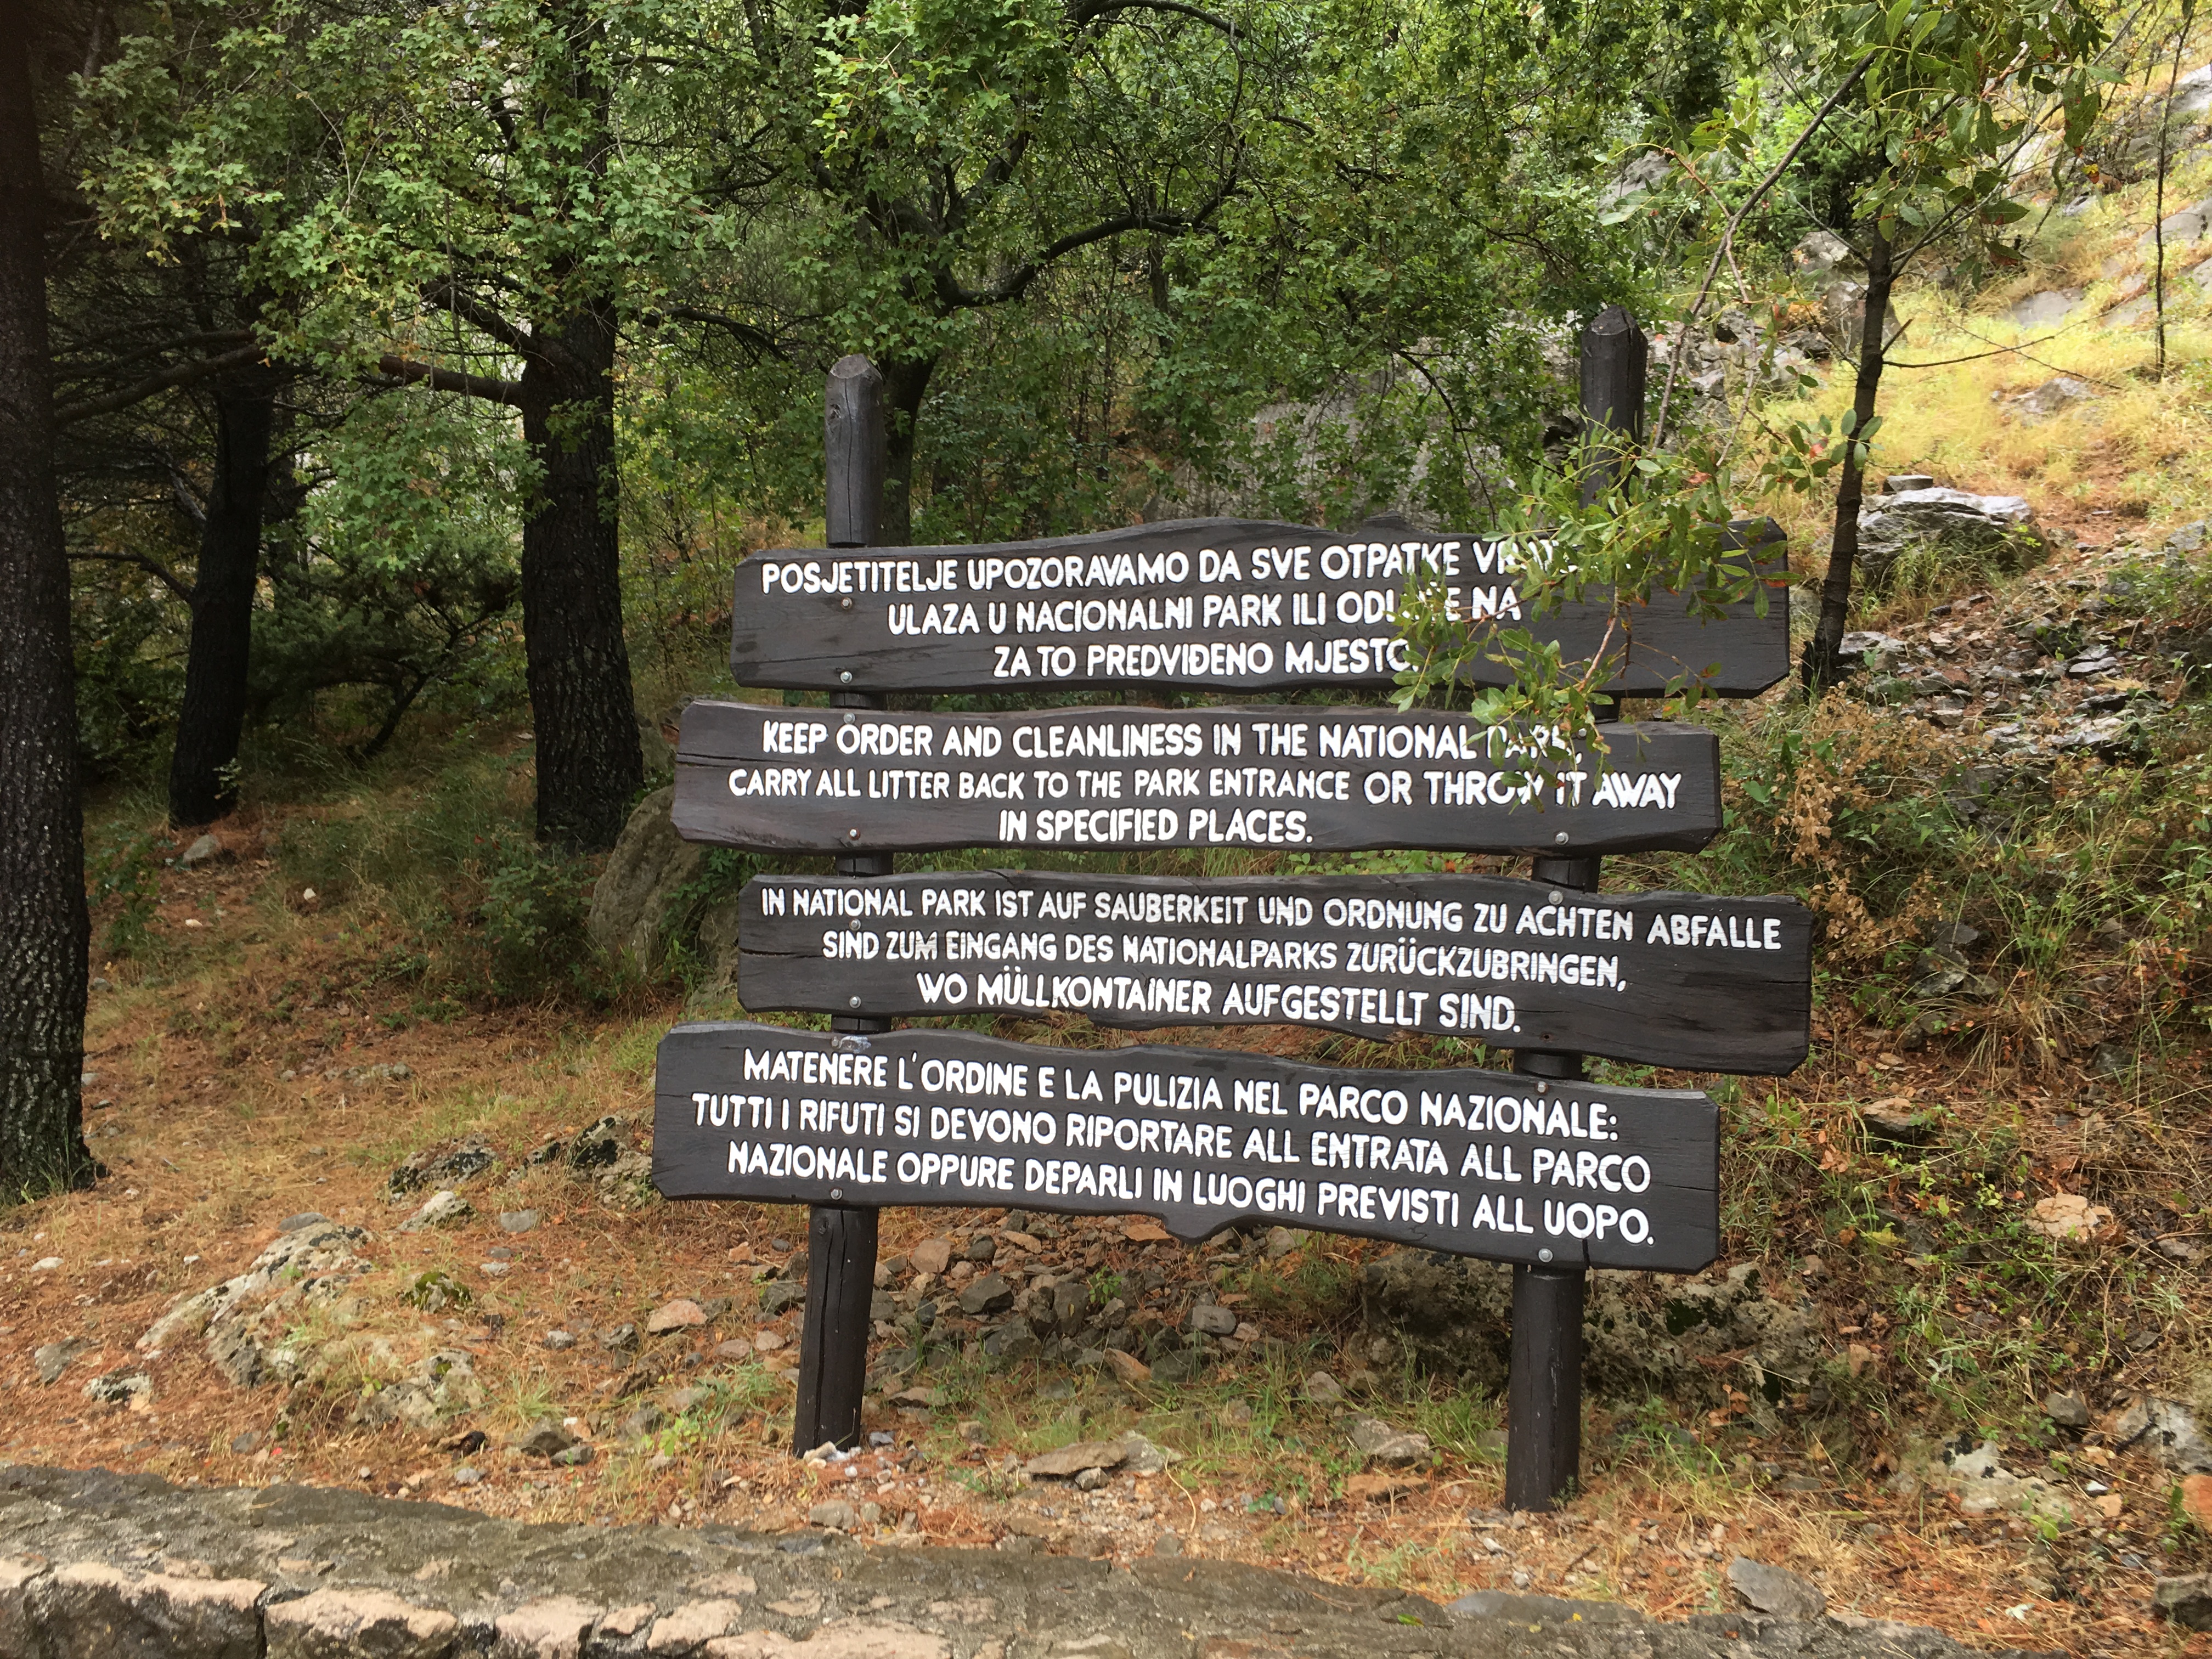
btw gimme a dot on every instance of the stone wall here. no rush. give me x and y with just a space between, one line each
101 1566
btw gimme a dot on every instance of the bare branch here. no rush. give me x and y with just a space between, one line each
447 295
169 579
1728 238
1095 9
221 337
1016 283
183 375
451 380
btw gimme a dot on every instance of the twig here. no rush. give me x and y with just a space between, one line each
1728 237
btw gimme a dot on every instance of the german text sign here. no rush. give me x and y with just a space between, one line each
1666 979
1082 778
1483 1163
1226 603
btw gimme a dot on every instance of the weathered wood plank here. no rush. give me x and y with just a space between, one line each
1221 603
1481 1164
1074 779
1664 979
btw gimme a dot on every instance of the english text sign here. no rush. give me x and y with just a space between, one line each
1084 779
1482 1164
1666 979
1226 603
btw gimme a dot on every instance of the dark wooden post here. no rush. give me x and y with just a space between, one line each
840 1239
1544 1390
1614 355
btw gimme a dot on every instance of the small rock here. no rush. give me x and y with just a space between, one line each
206 850
932 1255
983 1247
2054 397
2067 1411
1212 1320
644 1420
990 1294
245 1444
679 1315
2067 1215
2187 1601
517 1221
619 1338
1281 1242
1775 1590
560 1341
120 1388
573 1457
970 1430
1075 1459
52 1358
544 1438
1141 1457
1324 1390
1128 1367
466 1476
2197 1499
1379 1441
2168 1430
782 1295
46 1264
446 1208
837 1514
292 1224
1167 1544
1897 482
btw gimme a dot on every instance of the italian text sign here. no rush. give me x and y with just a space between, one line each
1481 1164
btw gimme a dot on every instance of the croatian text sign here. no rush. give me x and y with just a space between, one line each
1667 979
1220 603
1479 1164
1080 779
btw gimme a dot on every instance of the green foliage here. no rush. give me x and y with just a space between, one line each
124 872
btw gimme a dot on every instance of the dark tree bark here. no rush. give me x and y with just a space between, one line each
590 767
1820 668
201 786
43 931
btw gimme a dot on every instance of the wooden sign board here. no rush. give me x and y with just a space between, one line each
1481 1164
1223 604
1080 780
1664 979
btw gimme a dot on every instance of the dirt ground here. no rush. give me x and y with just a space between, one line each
245 1071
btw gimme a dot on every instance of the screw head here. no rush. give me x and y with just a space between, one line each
855 1002
845 604
845 678
852 834
1541 1256
1560 839
1559 898
839 1192
851 719
1543 1088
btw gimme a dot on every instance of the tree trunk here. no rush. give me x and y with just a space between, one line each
906 381
44 930
590 767
1821 667
201 786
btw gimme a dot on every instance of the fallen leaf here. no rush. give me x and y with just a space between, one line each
1144 1231
1379 1488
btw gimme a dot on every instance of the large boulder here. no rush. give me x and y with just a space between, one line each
1643 1334
643 882
1997 530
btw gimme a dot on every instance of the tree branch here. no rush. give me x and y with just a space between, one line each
1016 283
752 334
183 375
183 590
1091 13
221 337
1728 237
448 296
451 380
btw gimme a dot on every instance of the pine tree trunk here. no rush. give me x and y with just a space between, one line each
1821 667
44 931
201 786
590 767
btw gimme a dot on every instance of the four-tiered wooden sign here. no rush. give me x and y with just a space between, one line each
1537 1167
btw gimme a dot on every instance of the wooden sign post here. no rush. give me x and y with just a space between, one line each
841 1237
1539 1168
1544 1377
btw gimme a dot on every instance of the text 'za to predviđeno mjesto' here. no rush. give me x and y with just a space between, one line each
776 779
1229 604
1670 978
1475 1163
